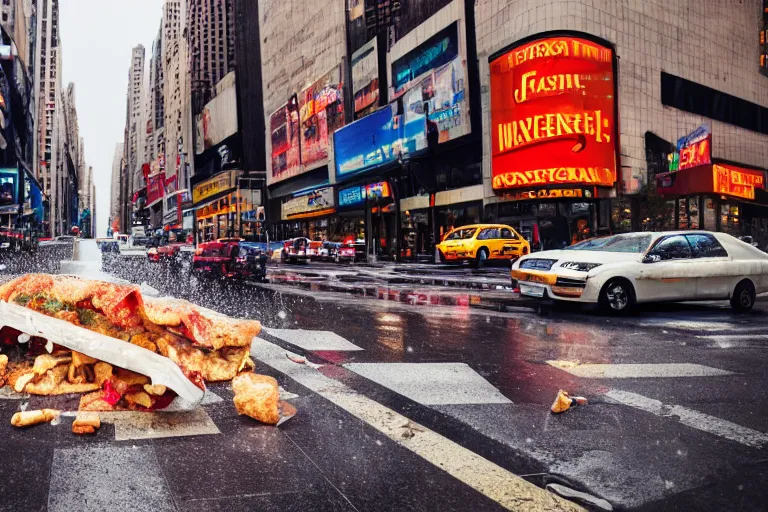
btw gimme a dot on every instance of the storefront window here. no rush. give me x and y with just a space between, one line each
621 215
709 214
730 219
450 217
417 239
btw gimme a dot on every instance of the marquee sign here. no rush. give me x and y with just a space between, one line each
737 182
553 118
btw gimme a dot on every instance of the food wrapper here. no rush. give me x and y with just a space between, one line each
161 370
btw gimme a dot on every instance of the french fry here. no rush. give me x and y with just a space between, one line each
86 423
29 418
22 381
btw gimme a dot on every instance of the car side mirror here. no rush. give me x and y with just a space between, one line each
652 258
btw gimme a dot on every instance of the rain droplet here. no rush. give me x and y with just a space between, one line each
409 349
281 315
378 442
668 484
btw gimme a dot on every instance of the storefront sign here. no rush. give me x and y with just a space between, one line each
737 182
352 196
155 189
219 184
316 203
553 114
284 128
692 150
556 193
321 112
219 117
376 140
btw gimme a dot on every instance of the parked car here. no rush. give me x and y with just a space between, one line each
315 250
620 271
251 262
482 242
215 259
230 259
295 250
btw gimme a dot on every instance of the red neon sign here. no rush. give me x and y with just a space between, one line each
698 153
737 182
552 115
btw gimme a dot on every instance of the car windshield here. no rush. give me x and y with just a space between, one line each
617 243
461 234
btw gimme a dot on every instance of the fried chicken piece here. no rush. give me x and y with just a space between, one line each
86 423
143 341
3 366
47 384
29 418
215 366
21 380
79 359
45 362
130 378
139 398
156 389
257 396
102 371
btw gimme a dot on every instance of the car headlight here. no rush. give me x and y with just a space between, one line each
579 266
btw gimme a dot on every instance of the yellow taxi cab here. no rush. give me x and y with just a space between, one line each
482 242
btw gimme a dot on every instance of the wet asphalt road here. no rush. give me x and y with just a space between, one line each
683 428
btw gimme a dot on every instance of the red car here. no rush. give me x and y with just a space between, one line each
230 259
215 259
295 249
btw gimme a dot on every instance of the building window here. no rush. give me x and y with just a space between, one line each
699 99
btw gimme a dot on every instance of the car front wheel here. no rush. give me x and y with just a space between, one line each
617 296
482 257
743 299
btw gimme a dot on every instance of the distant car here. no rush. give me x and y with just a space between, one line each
620 271
295 250
215 259
479 243
250 262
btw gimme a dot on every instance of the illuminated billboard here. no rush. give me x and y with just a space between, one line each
321 112
737 182
284 130
553 118
432 81
376 140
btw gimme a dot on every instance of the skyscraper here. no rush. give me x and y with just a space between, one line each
211 36
47 91
117 201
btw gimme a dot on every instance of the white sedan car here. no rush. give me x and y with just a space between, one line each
619 271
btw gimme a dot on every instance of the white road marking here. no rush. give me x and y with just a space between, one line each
636 371
691 418
495 482
432 383
734 337
313 340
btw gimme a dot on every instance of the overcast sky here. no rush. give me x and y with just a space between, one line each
97 38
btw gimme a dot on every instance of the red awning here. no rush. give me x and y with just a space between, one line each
717 178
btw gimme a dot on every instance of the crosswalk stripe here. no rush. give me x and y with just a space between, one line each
491 480
691 418
432 383
313 340
635 371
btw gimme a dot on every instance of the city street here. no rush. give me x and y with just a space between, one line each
426 408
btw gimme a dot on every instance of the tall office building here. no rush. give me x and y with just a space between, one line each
211 36
47 85
135 125
116 200
157 92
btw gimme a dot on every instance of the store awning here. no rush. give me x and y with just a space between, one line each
717 178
